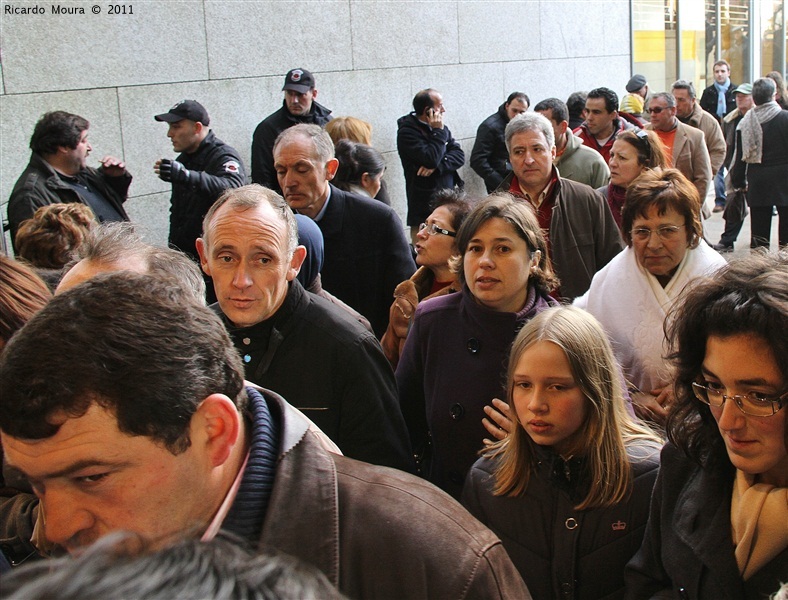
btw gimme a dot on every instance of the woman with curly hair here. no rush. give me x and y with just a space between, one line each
718 524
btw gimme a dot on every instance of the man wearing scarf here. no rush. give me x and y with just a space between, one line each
761 164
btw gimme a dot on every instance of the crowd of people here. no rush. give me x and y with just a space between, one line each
557 390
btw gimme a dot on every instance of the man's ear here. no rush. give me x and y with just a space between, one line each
198 127
314 93
216 428
562 127
331 168
202 250
299 255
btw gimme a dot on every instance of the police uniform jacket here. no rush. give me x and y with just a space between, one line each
214 167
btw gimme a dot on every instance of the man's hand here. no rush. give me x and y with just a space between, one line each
171 170
424 172
113 167
498 422
434 118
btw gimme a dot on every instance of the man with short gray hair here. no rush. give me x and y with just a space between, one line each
366 253
299 345
582 235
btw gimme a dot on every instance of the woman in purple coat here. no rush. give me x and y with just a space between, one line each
454 359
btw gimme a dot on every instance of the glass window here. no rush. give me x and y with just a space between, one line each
654 42
735 26
773 50
693 23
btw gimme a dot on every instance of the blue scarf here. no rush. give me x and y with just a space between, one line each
722 103
246 515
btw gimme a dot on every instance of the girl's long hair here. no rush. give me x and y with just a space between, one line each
608 429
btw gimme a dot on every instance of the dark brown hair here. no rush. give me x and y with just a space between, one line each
663 189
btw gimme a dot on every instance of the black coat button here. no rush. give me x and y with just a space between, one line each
473 345
457 411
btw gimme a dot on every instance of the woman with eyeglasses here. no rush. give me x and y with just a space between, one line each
631 154
631 295
718 524
454 358
436 244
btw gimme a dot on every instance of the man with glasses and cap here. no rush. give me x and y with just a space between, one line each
298 106
205 168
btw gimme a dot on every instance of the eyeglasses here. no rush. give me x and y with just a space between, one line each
655 110
753 403
642 135
666 233
433 229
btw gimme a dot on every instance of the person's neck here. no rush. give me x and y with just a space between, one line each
60 166
442 273
313 210
606 133
673 124
197 145
561 141
534 191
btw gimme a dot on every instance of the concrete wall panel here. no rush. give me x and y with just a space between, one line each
401 34
270 38
506 31
67 52
151 216
541 79
378 97
470 93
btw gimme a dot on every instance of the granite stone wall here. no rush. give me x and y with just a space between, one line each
369 58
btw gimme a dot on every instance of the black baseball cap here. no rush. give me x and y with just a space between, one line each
186 109
299 80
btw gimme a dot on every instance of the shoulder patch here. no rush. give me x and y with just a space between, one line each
232 166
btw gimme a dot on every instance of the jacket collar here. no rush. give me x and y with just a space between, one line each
704 522
304 501
53 180
317 110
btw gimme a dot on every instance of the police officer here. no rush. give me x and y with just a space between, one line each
204 169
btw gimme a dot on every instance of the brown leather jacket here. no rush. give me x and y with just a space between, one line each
377 532
407 296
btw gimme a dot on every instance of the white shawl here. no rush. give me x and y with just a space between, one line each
631 305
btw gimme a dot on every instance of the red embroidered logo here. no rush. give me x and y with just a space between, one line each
296 75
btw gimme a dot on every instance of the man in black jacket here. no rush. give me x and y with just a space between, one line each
430 156
58 172
366 253
710 99
490 158
299 106
204 169
299 345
